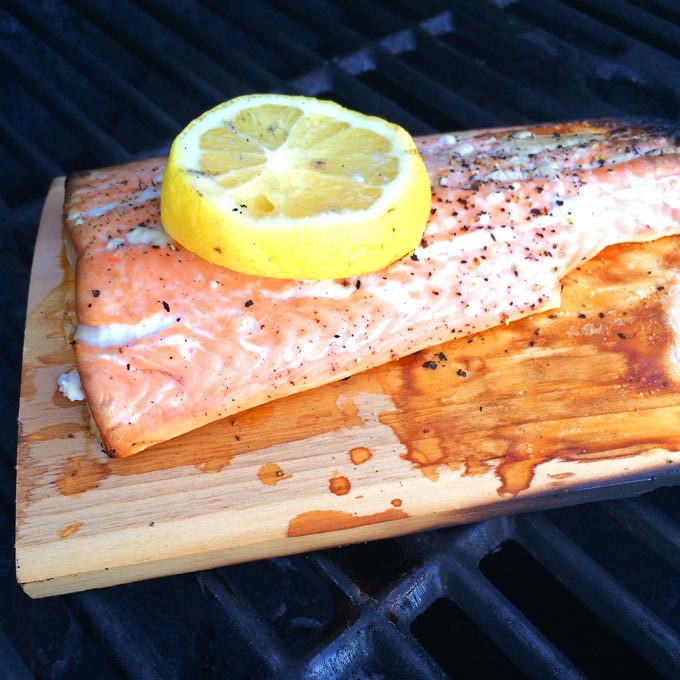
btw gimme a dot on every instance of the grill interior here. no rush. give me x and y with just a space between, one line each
590 591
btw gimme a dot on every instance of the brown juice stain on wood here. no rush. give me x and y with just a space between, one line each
52 432
339 485
70 529
271 474
85 472
359 455
44 342
212 448
474 466
322 521
80 474
590 381
503 401
213 466
59 400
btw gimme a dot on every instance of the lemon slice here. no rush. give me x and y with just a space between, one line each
295 187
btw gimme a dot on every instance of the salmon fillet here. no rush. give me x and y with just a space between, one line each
167 342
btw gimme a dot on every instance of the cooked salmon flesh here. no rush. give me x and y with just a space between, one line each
167 342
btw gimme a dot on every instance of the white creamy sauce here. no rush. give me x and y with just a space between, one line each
115 243
522 134
123 333
463 149
69 385
151 235
139 197
94 212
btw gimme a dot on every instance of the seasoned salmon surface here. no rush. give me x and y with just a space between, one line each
167 342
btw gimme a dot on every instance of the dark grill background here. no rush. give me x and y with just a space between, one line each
587 591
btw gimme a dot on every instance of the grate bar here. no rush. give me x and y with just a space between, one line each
665 9
359 95
649 525
324 19
501 621
254 633
136 42
138 662
28 154
366 641
339 655
637 22
413 595
602 71
95 69
409 656
272 27
621 52
204 34
107 148
374 18
332 571
522 74
458 109
599 591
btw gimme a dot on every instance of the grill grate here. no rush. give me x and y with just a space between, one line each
86 85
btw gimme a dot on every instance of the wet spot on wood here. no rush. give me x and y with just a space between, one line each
359 455
70 529
271 474
339 485
52 432
213 464
585 396
322 521
475 467
81 474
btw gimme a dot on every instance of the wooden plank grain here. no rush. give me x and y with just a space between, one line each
578 404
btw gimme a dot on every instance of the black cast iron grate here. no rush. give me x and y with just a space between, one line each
590 591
